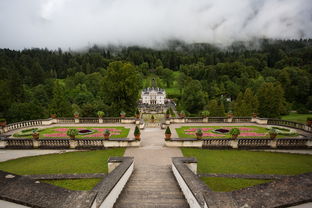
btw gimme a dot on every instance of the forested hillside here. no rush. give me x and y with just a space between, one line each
270 78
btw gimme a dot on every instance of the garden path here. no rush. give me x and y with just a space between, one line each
152 183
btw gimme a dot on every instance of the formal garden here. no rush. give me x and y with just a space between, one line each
240 131
65 163
245 162
81 133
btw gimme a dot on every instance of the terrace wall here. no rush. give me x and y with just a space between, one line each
242 143
65 143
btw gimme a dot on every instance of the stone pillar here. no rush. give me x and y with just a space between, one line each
192 166
137 121
76 120
167 121
309 143
234 144
5 129
273 143
36 144
73 144
205 119
3 144
229 120
100 120
254 119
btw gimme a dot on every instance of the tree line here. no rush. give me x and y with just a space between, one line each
270 79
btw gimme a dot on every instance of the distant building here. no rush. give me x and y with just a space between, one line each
153 95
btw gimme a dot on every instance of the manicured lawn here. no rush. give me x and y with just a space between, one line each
246 162
301 118
71 162
246 132
60 132
75 184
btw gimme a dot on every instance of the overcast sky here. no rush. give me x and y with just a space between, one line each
79 23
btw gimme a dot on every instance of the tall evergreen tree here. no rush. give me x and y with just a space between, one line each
271 100
59 103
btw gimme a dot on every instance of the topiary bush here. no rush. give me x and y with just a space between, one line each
72 132
234 131
100 114
168 131
137 131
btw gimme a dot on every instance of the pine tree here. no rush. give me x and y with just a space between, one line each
59 103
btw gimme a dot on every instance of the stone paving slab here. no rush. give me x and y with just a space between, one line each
14 154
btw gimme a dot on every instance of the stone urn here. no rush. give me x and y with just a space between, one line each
35 135
273 135
3 123
254 115
53 115
137 136
234 136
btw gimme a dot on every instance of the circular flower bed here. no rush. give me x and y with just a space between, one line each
85 132
221 131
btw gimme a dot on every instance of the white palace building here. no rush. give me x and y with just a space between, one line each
153 95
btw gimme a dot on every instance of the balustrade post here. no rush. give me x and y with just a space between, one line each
273 143
5 129
76 120
234 144
205 120
73 143
167 121
100 120
3 144
35 144
309 143
229 120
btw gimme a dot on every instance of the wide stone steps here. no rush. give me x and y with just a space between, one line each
152 186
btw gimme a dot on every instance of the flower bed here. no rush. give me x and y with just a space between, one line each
96 132
210 132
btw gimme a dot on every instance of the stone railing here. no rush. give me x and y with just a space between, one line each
194 190
63 120
65 143
291 124
120 170
24 124
285 192
241 143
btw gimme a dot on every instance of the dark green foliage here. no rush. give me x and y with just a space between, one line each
168 131
234 131
137 130
109 79
271 100
309 119
72 132
216 108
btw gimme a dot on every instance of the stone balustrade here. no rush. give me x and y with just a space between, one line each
84 120
65 143
241 143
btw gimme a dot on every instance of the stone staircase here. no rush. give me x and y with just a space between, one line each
152 186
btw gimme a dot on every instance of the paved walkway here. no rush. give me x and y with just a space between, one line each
152 183
14 154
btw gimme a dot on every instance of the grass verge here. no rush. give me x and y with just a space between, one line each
246 162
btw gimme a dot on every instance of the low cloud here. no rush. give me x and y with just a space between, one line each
79 23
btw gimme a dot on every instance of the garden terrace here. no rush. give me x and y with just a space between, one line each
288 191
